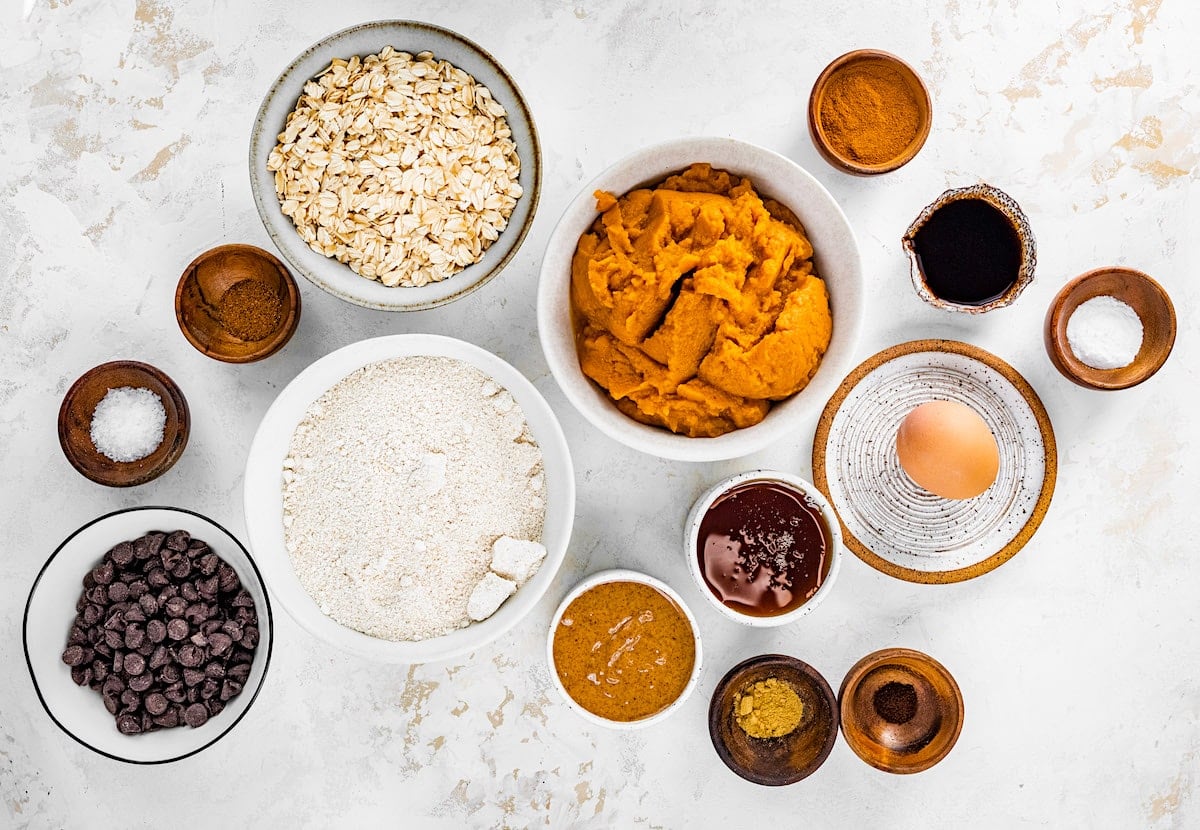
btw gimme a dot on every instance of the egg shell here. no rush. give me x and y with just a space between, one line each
947 448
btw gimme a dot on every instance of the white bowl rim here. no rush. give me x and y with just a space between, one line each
654 440
805 487
623 575
270 639
427 296
387 347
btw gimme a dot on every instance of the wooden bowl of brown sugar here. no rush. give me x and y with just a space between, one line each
901 710
869 113
237 303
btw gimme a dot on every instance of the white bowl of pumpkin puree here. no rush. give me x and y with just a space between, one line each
624 650
700 296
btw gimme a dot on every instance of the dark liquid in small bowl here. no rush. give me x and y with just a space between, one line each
968 252
763 549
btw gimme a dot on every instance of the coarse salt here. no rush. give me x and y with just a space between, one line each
128 424
1105 333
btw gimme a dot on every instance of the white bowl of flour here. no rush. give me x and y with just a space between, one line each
379 480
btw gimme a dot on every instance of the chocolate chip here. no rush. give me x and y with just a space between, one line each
138 588
243 600
148 603
135 635
220 643
227 578
209 689
196 715
98 595
193 694
111 704
177 629
73 656
118 592
176 693
159 657
210 627
156 703
103 573
188 591
82 675
214 707
157 578
215 670
114 639
178 540
240 672
249 637
131 699
196 613
156 630
129 724
122 554
140 683
230 689
191 656
170 674
168 720
208 563
134 664
183 569
99 671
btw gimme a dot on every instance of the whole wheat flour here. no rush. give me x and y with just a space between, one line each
397 482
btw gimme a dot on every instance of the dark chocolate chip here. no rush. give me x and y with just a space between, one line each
114 639
181 570
82 675
103 649
122 554
191 655
141 683
242 600
135 635
103 573
230 689
209 689
177 629
220 642
196 613
157 578
208 563
196 715
214 707
131 699
178 540
129 724
168 720
240 672
192 677
111 704
73 656
118 592
176 606
159 657
156 703
215 670
92 614
134 664
138 588
156 630
249 637
188 591
227 578
149 604
170 673
99 670
193 694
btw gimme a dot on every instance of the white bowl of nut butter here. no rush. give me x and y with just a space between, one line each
624 649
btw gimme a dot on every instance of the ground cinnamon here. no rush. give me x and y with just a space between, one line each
250 310
869 114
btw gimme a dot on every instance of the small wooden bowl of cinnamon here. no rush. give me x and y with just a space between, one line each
237 303
869 113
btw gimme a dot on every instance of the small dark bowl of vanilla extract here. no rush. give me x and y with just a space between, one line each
764 547
971 250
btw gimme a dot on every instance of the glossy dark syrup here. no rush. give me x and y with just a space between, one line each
763 549
968 252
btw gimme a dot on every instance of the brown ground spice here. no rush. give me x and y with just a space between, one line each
250 310
869 114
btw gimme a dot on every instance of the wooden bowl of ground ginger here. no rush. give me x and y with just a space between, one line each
773 719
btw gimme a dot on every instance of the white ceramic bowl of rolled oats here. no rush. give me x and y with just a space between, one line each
396 165
409 498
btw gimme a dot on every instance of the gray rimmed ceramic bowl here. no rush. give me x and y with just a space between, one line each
367 39
50 611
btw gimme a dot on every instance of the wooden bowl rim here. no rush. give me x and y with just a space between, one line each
1080 373
882 657
269 346
183 428
817 132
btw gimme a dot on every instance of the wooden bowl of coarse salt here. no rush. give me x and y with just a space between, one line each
1111 328
123 423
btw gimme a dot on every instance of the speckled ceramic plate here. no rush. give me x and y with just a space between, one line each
366 39
901 529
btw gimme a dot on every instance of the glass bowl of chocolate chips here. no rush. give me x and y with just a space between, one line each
148 634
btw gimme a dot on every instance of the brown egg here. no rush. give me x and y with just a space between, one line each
945 447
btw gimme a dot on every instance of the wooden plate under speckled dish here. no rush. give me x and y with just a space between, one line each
367 39
775 761
896 526
919 736
75 423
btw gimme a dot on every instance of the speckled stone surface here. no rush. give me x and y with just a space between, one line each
124 128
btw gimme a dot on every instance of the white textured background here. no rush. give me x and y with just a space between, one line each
123 135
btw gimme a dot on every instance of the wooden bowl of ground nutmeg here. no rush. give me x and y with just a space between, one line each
869 113
773 719
237 304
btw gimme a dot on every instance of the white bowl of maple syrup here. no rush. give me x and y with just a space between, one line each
764 547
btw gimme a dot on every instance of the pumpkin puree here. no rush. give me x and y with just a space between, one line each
696 303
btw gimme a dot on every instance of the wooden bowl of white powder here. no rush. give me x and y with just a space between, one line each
379 482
